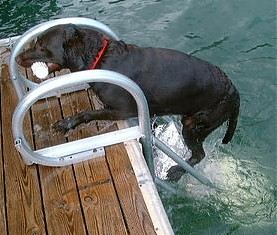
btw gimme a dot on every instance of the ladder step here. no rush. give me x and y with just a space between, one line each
90 143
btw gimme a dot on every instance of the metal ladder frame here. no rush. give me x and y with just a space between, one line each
22 84
60 155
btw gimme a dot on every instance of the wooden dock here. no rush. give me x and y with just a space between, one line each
99 196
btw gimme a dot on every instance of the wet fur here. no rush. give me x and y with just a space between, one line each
172 81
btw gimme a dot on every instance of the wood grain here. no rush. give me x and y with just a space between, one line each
134 209
131 200
3 221
63 211
23 200
100 204
98 197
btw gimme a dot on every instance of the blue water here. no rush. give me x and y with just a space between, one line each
240 37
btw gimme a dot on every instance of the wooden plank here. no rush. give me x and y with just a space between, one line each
2 184
98 197
101 206
60 197
62 207
147 186
23 200
75 200
152 202
131 200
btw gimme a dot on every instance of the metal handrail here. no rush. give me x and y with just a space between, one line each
68 83
42 90
67 80
20 82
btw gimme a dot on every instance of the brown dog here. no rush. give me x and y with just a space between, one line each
173 83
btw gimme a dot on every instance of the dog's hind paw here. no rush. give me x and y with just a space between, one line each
63 126
175 173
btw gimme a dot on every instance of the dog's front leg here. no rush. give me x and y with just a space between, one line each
87 116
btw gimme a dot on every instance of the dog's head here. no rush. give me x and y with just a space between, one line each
63 46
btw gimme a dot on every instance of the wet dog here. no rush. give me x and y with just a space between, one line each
172 81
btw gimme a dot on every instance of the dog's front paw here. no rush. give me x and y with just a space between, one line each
175 173
64 125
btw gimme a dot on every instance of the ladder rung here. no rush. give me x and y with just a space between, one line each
90 143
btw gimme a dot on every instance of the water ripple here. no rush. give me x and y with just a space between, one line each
257 47
248 196
208 47
114 2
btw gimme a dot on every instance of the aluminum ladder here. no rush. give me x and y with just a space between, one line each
80 150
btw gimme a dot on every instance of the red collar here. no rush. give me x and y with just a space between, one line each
94 64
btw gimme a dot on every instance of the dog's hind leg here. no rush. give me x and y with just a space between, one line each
87 116
193 138
196 128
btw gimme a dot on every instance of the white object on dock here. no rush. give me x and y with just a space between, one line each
40 69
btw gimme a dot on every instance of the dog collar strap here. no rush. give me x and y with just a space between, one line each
100 54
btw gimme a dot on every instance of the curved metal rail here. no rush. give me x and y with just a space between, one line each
20 83
59 155
64 154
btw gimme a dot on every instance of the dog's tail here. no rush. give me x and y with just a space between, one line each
233 119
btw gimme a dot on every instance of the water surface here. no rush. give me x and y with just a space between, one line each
240 37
